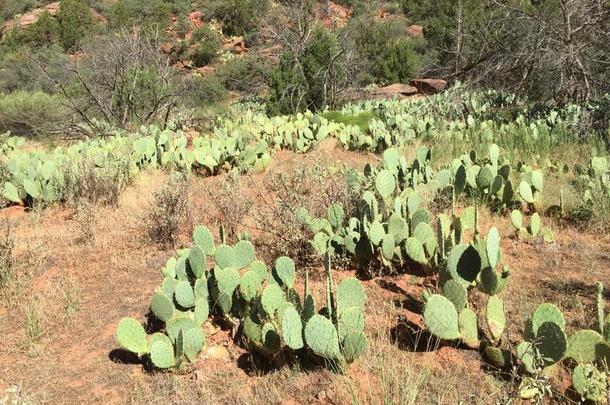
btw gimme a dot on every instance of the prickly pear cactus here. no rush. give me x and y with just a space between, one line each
322 338
132 336
590 383
441 318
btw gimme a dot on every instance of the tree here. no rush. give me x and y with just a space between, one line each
75 21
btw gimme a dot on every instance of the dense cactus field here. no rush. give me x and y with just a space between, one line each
450 189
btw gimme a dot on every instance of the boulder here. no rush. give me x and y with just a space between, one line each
396 89
415 31
429 86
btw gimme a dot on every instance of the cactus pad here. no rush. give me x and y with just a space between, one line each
132 336
351 320
201 288
441 318
321 337
354 346
196 261
424 232
162 351
493 247
547 313
376 233
535 224
581 345
185 296
415 250
385 183
225 256
244 254
349 294
398 227
388 245
271 339
552 342
455 292
468 328
525 190
495 356
202 310
292 328
590 383
516 219
284 272
272 298
336 215
203 238
250 283
193 341
162 306
464 264
496 320
260 268
177 324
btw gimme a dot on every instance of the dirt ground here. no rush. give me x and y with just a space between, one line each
58 326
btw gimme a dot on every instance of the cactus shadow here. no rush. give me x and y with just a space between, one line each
577 287
409 336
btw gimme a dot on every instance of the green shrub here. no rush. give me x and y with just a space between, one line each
248 73
30 113
309 84
75 21
127 13
44 32
238 17
20 69
203 91
208 43
401 64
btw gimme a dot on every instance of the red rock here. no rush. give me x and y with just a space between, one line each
415 31
396 89
14 211
428 86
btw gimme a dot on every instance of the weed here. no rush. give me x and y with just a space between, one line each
86 219
7 261
232 205
170 210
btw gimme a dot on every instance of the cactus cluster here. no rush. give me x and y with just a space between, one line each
534 230
263 305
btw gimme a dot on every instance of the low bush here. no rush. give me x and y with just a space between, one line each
250 73
205 90
208 44
238 17
27 113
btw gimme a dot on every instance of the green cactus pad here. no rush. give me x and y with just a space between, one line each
169 286
516 219
284 272
376 233
485 177
170 268
202 310
193 341
525 191
538 179
552 342
131 335
388 245
196 261
321 337
203 238
581 345
271 339
526 353
309 308
162 351
547 313
292 328
185 296
260 268
351 320
349 294
493 247
460 179
441 318
455 292
496 319
398 227
535 225
227 279
420 216
590 383
336 215
464 264
424 232
354 346
181 269
201 288
253 329
602 354
244 254
492 283
415 250
467 218
179 323
225 256
162 306
469 333
496 356
385 183
320 242
272 298
250 283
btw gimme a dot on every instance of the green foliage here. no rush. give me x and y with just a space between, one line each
31 113
205 91
75 22
127 13
296 87
238 17
360 120
207 43
249 73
